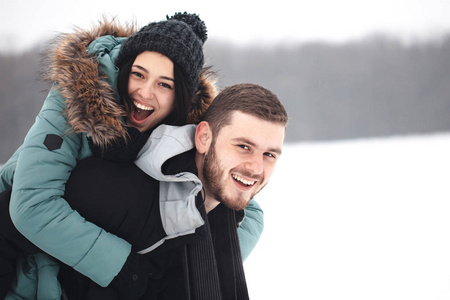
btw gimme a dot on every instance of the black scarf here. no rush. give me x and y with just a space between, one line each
215 264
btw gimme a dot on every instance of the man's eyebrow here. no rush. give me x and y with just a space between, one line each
146 71
249 142
275 150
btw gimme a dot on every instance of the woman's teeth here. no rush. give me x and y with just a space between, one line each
244 181
142 106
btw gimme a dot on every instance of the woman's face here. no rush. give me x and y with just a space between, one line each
151 88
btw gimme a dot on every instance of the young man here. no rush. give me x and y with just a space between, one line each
184 217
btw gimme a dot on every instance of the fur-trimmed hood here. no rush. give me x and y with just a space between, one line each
90 103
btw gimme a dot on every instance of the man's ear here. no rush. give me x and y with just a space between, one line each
203 136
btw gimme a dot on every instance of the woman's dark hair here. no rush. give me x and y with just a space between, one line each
179 114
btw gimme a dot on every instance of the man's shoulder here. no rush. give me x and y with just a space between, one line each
165 142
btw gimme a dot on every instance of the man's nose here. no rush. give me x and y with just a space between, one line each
255 164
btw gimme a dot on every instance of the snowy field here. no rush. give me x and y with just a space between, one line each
364 219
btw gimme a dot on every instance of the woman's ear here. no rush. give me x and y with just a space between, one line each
203 137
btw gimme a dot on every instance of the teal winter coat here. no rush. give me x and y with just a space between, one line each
81 102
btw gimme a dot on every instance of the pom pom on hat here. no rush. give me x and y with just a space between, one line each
193 20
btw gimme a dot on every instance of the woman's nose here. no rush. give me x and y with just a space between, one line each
147 91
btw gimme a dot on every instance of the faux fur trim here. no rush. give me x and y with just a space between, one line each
205 94
90 104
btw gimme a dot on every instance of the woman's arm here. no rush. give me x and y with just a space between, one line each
7 172
38 209
251 228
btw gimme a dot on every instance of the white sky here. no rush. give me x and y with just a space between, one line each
24 23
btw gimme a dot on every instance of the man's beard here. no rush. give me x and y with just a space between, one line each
212 180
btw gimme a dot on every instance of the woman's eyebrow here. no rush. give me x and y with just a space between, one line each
141 68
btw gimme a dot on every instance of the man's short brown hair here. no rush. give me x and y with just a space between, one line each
248 98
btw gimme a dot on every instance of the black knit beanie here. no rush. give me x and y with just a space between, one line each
180 38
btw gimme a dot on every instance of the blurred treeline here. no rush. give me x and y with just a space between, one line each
372 87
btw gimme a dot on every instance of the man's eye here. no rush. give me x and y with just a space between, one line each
269 155
244 147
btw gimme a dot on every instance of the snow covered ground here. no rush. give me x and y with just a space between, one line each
363 219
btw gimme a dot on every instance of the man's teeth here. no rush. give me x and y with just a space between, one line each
240 179
142 106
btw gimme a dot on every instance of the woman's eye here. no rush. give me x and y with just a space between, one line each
137 74
166 85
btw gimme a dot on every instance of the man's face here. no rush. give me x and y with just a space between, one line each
241 159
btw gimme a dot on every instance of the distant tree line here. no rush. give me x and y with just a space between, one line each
372 87
21 97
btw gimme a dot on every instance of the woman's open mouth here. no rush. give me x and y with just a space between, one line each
140 112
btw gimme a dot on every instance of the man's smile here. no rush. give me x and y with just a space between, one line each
243 180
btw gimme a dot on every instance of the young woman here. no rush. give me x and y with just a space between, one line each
112 86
